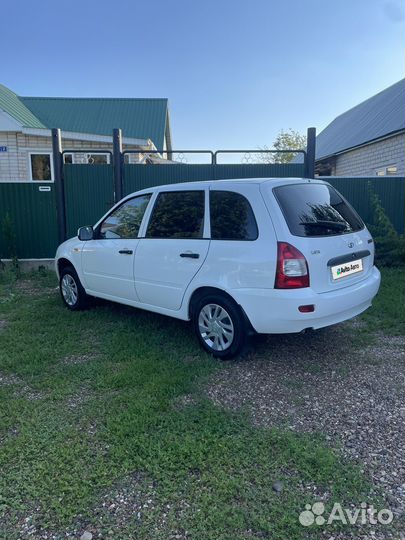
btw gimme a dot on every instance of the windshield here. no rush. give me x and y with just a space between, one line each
316 210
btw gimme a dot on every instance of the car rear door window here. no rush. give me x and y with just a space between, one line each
316 210
125 221
177 214
231 216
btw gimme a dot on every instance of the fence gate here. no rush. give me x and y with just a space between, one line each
89 193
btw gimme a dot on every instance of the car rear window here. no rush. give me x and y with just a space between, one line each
316 210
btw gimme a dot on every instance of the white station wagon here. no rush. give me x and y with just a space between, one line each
233 256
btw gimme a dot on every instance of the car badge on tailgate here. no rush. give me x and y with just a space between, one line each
350 245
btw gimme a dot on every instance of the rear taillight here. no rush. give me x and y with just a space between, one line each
292 268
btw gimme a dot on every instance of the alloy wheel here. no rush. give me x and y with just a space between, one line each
216 327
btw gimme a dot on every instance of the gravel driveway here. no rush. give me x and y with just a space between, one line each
323 382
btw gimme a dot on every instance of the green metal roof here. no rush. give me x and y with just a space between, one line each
12 105
140 118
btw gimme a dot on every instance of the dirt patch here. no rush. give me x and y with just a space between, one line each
23 390
30 288
321 383
77 359
7 379
29 393
184 401
78 399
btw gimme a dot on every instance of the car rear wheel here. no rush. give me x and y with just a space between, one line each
219 326
71 290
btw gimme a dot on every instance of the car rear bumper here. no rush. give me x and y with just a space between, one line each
275 311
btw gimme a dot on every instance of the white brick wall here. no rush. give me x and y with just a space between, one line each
14 164
366 160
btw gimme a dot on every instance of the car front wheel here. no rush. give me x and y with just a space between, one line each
71 290
219 326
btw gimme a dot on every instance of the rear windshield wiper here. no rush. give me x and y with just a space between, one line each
335 225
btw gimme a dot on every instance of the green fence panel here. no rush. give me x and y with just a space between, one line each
29 208
89 193
138 177
391 191
258 170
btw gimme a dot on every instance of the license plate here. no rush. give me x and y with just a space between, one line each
347 269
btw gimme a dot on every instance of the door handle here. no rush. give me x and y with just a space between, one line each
190 255
125 251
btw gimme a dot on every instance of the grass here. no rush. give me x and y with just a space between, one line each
91 401
387 314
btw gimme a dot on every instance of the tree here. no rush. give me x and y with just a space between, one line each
285 140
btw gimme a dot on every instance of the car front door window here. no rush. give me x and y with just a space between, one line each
108 260
124 222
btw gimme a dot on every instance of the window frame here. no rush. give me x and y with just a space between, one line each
40 153
206 226
251 208
97 228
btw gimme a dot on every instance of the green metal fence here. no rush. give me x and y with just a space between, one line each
89 192
390 190
27 220
138 177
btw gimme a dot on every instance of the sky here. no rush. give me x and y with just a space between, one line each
235 72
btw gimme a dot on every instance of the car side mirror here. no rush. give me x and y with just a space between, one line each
85 233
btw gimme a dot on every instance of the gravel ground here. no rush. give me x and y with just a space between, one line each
322 382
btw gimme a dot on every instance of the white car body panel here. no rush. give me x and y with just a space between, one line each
163 282
107 271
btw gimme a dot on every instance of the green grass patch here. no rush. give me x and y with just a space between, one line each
387 313
90 399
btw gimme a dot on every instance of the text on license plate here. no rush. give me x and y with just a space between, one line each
346 269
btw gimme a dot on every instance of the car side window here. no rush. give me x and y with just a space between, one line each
177 214
232 217
125 221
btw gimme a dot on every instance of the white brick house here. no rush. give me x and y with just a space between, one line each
367 140
86 123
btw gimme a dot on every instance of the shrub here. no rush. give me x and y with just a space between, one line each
9 243
389 245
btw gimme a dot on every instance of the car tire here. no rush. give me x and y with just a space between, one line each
219 325
72 292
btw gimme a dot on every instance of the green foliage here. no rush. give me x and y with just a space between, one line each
389 245
9 243
387 313
285 140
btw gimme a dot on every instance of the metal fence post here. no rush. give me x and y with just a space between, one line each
58 183
310 157
117 160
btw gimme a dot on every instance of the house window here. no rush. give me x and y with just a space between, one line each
41 166
85 158
391 170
